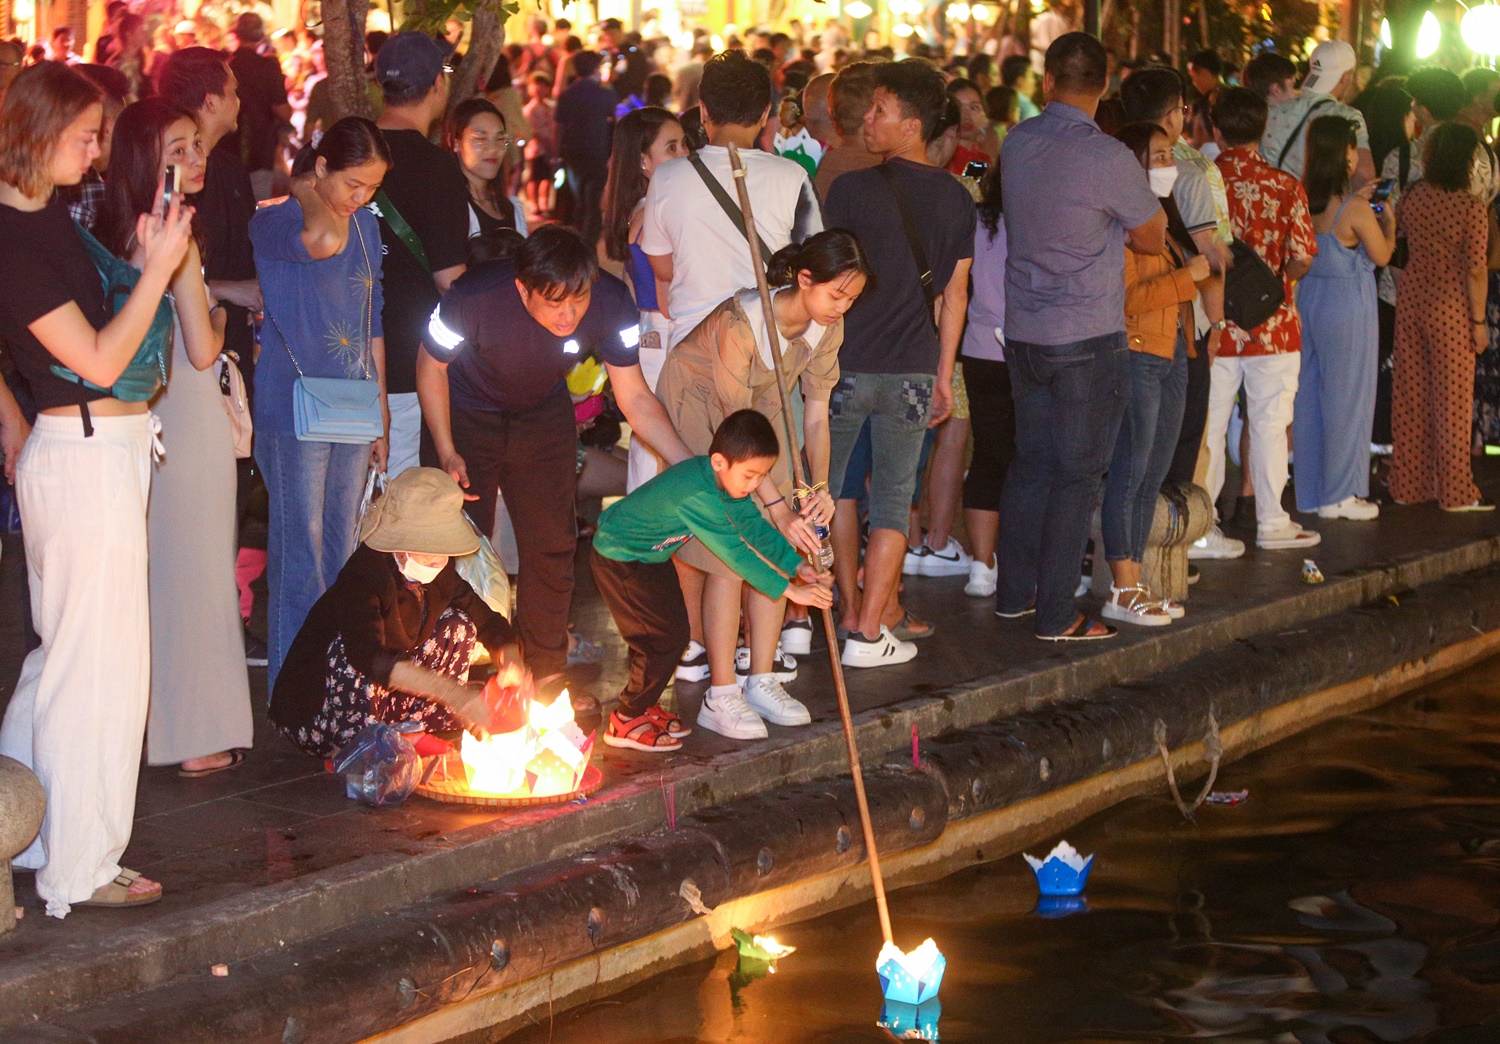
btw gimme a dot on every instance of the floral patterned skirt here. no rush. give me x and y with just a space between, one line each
353 700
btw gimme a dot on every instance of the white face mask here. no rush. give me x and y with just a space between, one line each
418 573
1162 180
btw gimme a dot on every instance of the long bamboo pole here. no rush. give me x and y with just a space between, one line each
799 478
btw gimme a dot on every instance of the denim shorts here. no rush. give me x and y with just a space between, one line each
898 407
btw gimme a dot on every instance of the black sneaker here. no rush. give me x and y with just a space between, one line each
255 652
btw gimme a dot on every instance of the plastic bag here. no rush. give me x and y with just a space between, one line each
485 573
380 766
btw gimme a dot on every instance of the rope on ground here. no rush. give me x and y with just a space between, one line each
1213 753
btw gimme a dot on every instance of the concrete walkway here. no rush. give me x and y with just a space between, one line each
273 853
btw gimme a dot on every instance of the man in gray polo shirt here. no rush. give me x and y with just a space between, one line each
1073 198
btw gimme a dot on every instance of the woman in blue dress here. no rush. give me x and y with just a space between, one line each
318 257
1335 407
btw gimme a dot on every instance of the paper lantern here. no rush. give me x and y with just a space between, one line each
911 978
1063 872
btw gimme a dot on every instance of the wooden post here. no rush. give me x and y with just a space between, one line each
799 479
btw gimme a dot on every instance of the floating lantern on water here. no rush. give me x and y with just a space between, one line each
911 978
760 947
545 761
911 1021
1063 872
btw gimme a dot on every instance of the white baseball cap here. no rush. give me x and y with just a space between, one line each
1331 59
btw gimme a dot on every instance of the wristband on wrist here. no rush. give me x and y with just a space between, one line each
778 500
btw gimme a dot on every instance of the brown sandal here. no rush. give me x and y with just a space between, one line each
1082 631
640 733
117 893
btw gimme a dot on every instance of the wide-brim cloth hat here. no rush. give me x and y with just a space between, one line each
1330 60
421 512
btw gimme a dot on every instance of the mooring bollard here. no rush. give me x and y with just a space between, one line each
22 802
1183 514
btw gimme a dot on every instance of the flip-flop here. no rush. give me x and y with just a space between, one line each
903 631
236 759
117 893
1081 631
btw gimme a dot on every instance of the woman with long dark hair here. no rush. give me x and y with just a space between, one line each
644 139
78 712
200 693
1440 326
1159 290
476 133
725 365
1335 411
318 258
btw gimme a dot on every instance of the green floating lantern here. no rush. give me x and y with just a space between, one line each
759 947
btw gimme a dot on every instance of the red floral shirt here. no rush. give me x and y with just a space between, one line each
1268 210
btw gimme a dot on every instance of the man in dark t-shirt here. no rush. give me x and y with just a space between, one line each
585 124
498 411
424 221
262 91
897 360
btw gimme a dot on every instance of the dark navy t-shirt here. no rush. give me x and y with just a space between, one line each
500 358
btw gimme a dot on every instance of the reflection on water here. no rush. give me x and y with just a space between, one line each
1353 898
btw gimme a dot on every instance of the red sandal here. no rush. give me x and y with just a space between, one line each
668 722
640 733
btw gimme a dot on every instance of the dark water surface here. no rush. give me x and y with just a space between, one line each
1353 898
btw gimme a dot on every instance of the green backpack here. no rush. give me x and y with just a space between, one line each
147 372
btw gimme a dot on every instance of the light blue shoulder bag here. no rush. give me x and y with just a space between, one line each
339 409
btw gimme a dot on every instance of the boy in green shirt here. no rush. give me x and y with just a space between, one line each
708 498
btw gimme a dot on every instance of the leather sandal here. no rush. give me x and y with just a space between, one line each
1083 630
117 893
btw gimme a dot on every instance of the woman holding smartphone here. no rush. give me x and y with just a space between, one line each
200 691
79 709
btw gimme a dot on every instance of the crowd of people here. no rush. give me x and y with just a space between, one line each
1034 284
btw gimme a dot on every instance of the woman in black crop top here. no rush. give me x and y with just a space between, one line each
79 710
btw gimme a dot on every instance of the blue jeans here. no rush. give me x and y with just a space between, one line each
1069 401
315 490
1143 451
898 407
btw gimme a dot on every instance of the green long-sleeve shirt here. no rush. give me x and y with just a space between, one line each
686 501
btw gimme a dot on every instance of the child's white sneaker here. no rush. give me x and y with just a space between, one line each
796 637
784 666
725 711
768 699
693 667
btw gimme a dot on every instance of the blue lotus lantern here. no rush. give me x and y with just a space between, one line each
911 1021
911 978
1063 872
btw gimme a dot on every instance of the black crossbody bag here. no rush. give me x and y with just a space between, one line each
924 270
736 215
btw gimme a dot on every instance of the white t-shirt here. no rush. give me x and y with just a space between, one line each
710 257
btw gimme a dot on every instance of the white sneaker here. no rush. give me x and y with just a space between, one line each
882 652
911 565
1355 508
729 715
1084 585
693 667
796 637
952 560
784 666
1214 544
768 699
1287 537
982 578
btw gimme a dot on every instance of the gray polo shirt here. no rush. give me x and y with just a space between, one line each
1070 193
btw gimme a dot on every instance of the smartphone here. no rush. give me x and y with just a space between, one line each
976 169
169 186
1383 189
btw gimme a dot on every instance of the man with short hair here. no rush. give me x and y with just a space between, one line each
1272 76
1074 199
423 206
697 249
686 80
60 49
1481 84
585 122
1017 74
492 381
1330 81
1206 71
816 114
263 100
1268 208
849 95
916 224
